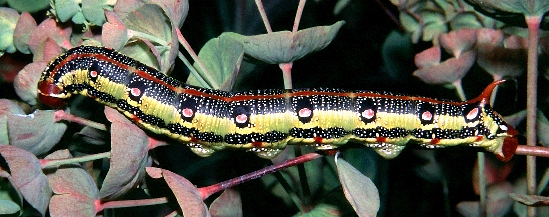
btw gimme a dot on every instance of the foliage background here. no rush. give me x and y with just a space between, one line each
359 58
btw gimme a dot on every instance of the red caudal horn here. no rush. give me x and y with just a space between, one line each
46 89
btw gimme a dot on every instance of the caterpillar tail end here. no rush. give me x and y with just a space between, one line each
509 146
50 94
487 92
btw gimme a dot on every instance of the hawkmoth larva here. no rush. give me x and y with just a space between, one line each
265 121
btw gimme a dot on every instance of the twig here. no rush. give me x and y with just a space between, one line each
533 23
263 15
50 163
298 15
131 203
62 115
209 190
206 73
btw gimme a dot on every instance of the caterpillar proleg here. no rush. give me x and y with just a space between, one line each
265 121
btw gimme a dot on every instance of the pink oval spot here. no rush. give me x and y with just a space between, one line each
427 116
135 91
305 112
472 114
242 118
368 113
187 112
93 74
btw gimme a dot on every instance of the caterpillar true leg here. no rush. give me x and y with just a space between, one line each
265 121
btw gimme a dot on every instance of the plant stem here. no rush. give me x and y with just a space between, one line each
51 163
205 73
532 151
533 23
306 192
132 203
298 15
209 190
193 71
263 14
62 115
286 74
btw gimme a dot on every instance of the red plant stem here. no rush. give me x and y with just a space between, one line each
209 190
533 23
62 115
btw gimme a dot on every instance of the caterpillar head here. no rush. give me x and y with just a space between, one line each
51 94
502 140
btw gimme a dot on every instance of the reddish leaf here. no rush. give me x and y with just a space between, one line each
323 210
115 34
455 42
176 10
129 156
25 83
449 71
496 59
26 175
49 29
36 133
359 190
428 58
25 25
227 204
75 191
185 192
498 201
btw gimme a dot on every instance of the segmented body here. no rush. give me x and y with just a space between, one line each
265 121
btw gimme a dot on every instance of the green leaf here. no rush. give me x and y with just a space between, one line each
187 195
93 11
525 7
221 57
7 107
8 21
149 23
129 156
359 190
542 129
227 204
37 132
466 20
285 46
30 6
321 210
10 199
65 9
9 207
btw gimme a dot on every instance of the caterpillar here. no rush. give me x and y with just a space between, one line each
265 121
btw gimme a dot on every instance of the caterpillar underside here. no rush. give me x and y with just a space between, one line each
265 121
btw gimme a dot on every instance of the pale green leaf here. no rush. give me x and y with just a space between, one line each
221 57
359 190
285 46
